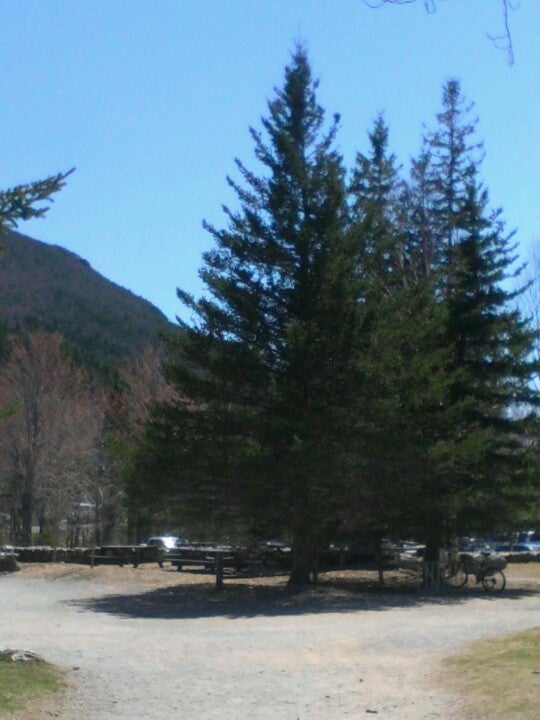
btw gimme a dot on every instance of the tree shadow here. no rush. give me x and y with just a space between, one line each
240 600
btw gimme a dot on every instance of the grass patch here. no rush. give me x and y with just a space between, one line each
500 678
24 682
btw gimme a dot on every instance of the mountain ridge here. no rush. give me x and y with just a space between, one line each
50 288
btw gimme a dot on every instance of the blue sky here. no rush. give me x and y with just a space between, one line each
152 100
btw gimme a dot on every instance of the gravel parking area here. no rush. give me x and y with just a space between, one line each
154 644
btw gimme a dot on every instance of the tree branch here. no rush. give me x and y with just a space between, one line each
504 41
501 42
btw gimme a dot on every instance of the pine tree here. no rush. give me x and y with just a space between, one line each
481 435
22 201
375 189
265 373
421 246
402 358
450 356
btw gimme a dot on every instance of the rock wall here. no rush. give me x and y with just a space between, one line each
45 554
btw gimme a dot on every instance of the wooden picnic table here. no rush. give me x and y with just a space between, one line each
214 558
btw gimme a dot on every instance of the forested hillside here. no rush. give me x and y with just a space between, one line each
49 288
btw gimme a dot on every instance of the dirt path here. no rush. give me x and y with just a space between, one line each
151 644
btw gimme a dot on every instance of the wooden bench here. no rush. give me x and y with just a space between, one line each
125 554
180 561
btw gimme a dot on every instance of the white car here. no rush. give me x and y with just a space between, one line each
530 540
165 542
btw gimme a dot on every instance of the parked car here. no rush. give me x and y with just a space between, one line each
165 542
525 541
474 544
530 541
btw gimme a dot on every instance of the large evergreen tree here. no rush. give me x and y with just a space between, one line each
358 350
480 435
403 356
266 372
449 355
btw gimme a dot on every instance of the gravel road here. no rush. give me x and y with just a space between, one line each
180 650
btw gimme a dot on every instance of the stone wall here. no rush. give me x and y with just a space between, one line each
45 554
114 554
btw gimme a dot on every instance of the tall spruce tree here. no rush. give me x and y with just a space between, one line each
481 434
375 189
265 373
374 192
402 358
449 354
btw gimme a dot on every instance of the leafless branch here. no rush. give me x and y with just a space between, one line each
428 4
504 41
501 42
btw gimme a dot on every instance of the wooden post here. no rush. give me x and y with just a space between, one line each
432 576
380 566
219 571
315 569
93 557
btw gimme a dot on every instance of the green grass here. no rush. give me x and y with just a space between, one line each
25 682
500 678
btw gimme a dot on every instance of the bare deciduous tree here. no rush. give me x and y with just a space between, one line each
145 384
47 443
127 408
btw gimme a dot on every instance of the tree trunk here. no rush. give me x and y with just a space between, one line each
97 525
109 520
302 561
27 508
130 530
315 569
380 567
14 526
143 528
434 542
55 522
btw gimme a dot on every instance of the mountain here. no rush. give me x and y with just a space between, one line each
49 288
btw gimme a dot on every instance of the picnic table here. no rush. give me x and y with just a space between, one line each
213 558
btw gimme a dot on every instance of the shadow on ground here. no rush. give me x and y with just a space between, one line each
245 601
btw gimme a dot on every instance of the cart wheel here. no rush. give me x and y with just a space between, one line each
494 582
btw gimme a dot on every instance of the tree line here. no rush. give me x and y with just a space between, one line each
65 441
68 426
358 364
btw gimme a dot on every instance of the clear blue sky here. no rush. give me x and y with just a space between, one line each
151 101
